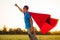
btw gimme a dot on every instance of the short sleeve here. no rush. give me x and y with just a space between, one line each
28 15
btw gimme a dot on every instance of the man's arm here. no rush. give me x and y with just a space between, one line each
31 22
32 28
19 8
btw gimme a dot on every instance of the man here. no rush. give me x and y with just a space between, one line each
28 22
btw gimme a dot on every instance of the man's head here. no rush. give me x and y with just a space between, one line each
25 8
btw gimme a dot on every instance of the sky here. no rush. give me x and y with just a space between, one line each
13 18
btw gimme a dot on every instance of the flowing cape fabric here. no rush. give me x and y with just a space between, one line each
44 21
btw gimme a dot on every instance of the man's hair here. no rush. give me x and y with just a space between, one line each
26 7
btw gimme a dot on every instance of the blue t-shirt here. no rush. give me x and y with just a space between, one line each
27 17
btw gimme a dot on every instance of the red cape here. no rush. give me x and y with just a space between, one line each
44 21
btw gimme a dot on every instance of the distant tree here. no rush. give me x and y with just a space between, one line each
18 31
4 30
0 32
25 32
11 31
36 31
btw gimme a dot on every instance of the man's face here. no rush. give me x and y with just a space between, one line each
25 9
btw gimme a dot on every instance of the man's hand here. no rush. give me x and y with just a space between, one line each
19 8
16 5
32 29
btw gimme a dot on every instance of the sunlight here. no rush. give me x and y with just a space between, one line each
13 18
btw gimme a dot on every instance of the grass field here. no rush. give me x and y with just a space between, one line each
25 37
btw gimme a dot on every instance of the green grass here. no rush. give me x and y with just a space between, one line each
25 37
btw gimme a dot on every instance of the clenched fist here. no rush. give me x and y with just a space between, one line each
16 5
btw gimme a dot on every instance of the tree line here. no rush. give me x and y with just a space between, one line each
16 31
20 31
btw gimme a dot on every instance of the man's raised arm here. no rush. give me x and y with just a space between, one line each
19 8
